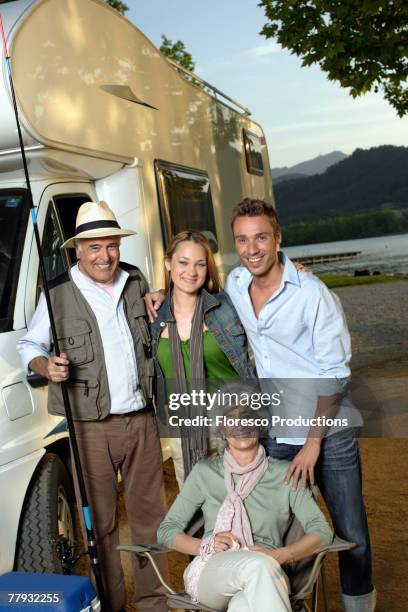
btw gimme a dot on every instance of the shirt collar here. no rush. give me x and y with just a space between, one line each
85 282
290 274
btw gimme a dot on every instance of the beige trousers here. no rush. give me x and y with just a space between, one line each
244 581
129 443
177 457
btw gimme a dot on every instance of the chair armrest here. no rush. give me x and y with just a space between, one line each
337 545
195 526
144 553
143 548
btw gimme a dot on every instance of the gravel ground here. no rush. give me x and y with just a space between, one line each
377 316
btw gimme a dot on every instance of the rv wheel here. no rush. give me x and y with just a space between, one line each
48 514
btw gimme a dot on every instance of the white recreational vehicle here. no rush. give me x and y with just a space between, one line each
104 116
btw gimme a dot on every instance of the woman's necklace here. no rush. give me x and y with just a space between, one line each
184 318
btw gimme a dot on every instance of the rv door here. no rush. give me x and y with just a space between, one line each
56 222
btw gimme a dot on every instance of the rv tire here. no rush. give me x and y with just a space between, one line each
48 514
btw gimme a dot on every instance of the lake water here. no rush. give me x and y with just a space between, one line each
387 254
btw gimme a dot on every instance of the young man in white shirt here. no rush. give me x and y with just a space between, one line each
298 333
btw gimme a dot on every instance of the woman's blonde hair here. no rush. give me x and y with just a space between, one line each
212 282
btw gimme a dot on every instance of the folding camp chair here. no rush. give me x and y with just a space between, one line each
303 575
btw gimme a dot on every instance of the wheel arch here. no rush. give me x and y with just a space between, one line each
58 447
15 478
61 448
38 511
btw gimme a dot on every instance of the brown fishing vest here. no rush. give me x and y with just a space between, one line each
79 337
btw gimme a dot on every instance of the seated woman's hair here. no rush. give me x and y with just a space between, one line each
239 414
212 282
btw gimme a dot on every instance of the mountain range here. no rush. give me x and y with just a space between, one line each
317 165
367 181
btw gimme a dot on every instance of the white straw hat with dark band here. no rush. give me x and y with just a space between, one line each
95 220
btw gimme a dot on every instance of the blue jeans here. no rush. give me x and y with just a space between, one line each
338 476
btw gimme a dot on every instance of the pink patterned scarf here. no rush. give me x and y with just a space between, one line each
232 515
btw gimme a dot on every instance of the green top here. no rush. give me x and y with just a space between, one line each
270 506
216 363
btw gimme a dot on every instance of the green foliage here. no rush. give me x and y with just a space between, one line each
362 44
177 52
359 225
344 280
118 5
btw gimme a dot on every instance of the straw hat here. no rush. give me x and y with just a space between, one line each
95 220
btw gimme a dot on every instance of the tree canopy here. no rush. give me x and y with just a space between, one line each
118 5
177 52
361 44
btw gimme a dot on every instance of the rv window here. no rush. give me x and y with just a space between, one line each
55 261
13 223
185 200
67 207
253 153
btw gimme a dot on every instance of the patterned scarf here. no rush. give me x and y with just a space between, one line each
232 515
194 440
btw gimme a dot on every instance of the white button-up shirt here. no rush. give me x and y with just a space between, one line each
117 341
300 333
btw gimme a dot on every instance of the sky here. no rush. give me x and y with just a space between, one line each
303 114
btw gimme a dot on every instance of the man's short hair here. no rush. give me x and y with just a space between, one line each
251 207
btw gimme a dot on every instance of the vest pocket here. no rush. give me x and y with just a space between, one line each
75 340
84 396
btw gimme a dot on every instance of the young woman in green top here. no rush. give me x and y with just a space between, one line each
197 335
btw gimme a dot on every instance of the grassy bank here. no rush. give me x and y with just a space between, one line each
342 280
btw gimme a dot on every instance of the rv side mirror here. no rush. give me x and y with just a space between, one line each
211 239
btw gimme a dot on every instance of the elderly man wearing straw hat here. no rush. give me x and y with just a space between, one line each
105 357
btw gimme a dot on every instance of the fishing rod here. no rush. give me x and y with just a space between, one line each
91 544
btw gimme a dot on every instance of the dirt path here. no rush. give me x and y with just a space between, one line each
386 498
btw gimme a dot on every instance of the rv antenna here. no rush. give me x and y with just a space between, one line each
92 550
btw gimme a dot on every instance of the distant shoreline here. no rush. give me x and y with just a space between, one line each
347 280
386 222
327 245
385 254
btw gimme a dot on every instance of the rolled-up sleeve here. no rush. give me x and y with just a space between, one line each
331 344
186 504
306 510
36 342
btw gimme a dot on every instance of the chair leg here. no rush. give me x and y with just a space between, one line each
315 597
324 588
158 573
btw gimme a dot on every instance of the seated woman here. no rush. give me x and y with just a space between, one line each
247 510
197 335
